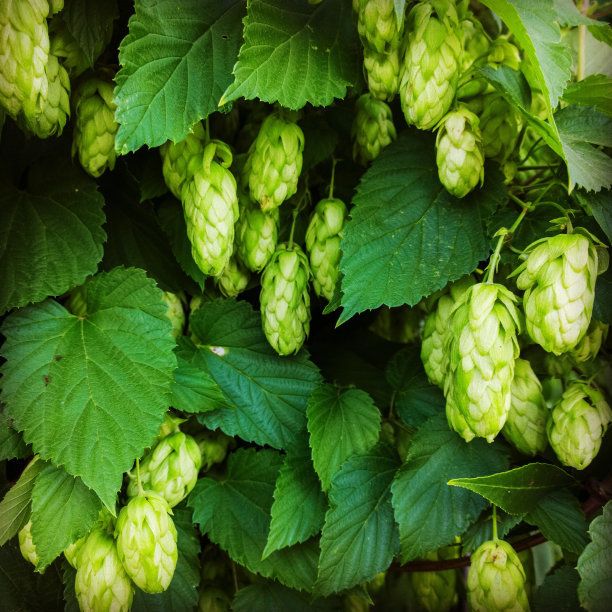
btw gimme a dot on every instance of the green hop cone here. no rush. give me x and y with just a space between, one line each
73 551
475 42
525 426
372 129
588 348
170 468
234 278
482 346
77 301
400 324
434 591
382 73
558 277
459 153
275 162
213 446
175 312
179 159
433 346
577 424
284 299
101 583
26 544
500 124
256 234
24 53
55 6
213 599
323 244
431 64
378 25
146 542
210 204
496 579
504 53
64 46
95 126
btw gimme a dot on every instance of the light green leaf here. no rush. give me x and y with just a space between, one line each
63 510
295 53
558 592
234 512
90 393
407 236
341 424
15 507
360 537
595 90
519 490
595 565
429 512
268 393
269 596
176 61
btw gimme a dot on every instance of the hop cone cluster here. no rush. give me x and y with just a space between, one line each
559 282
577 424
382 73
434 591
525 426
482 346
588 347
433 347
210 204
323 244
275 162
174 312
95 126
170 468
146 542
432 62
101 583
26 544
284 299
256 234
500 124
496 579
234 278
372 129
459 153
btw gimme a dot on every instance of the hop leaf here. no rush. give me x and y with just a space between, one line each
372 129
382 72
26 544
256 234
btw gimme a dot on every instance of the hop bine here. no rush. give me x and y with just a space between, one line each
372 128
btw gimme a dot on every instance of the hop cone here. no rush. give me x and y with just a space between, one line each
275 162
397 324
372 129
588 348
179 160
174 312
577 424
504 53
256 234
55 6
213 446
24 53
169 469
146 542
482 347
459 154
500 124
210 205
525 426
323 244
434 591
433 347
475 42
73 551
77 301
496 579
26 544
431 64
65 47
101 584
559 282
378 26
382 73
213 599
234 278
95 126
284 299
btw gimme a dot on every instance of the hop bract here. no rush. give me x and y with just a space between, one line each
577 424
372 129
323 244
101 583
284 299
72 551
382 73
256 234
146 542
559 282
525 426
459 153
431 65
482 346
26 544
496 579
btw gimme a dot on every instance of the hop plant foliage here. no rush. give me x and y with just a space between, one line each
372 129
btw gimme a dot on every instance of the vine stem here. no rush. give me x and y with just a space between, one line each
580 70
494 522
333 176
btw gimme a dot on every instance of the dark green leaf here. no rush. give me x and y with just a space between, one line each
595 90
270 596
12 445
558 592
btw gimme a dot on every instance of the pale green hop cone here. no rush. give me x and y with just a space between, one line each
256 234
210 204
95 127
234 278
475 42
588 348
175 312
482 347
382 73
323 244
26 544
500 125
496 579
378 25
284 299
146 542
431 65
372 128
434 591
213 446
558 277
101 583
459 153
275 161
525 426
577 424
213 599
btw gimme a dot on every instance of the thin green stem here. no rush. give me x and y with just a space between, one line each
295 216
494 521
333 176
235 578
581 67
529 152
539 167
